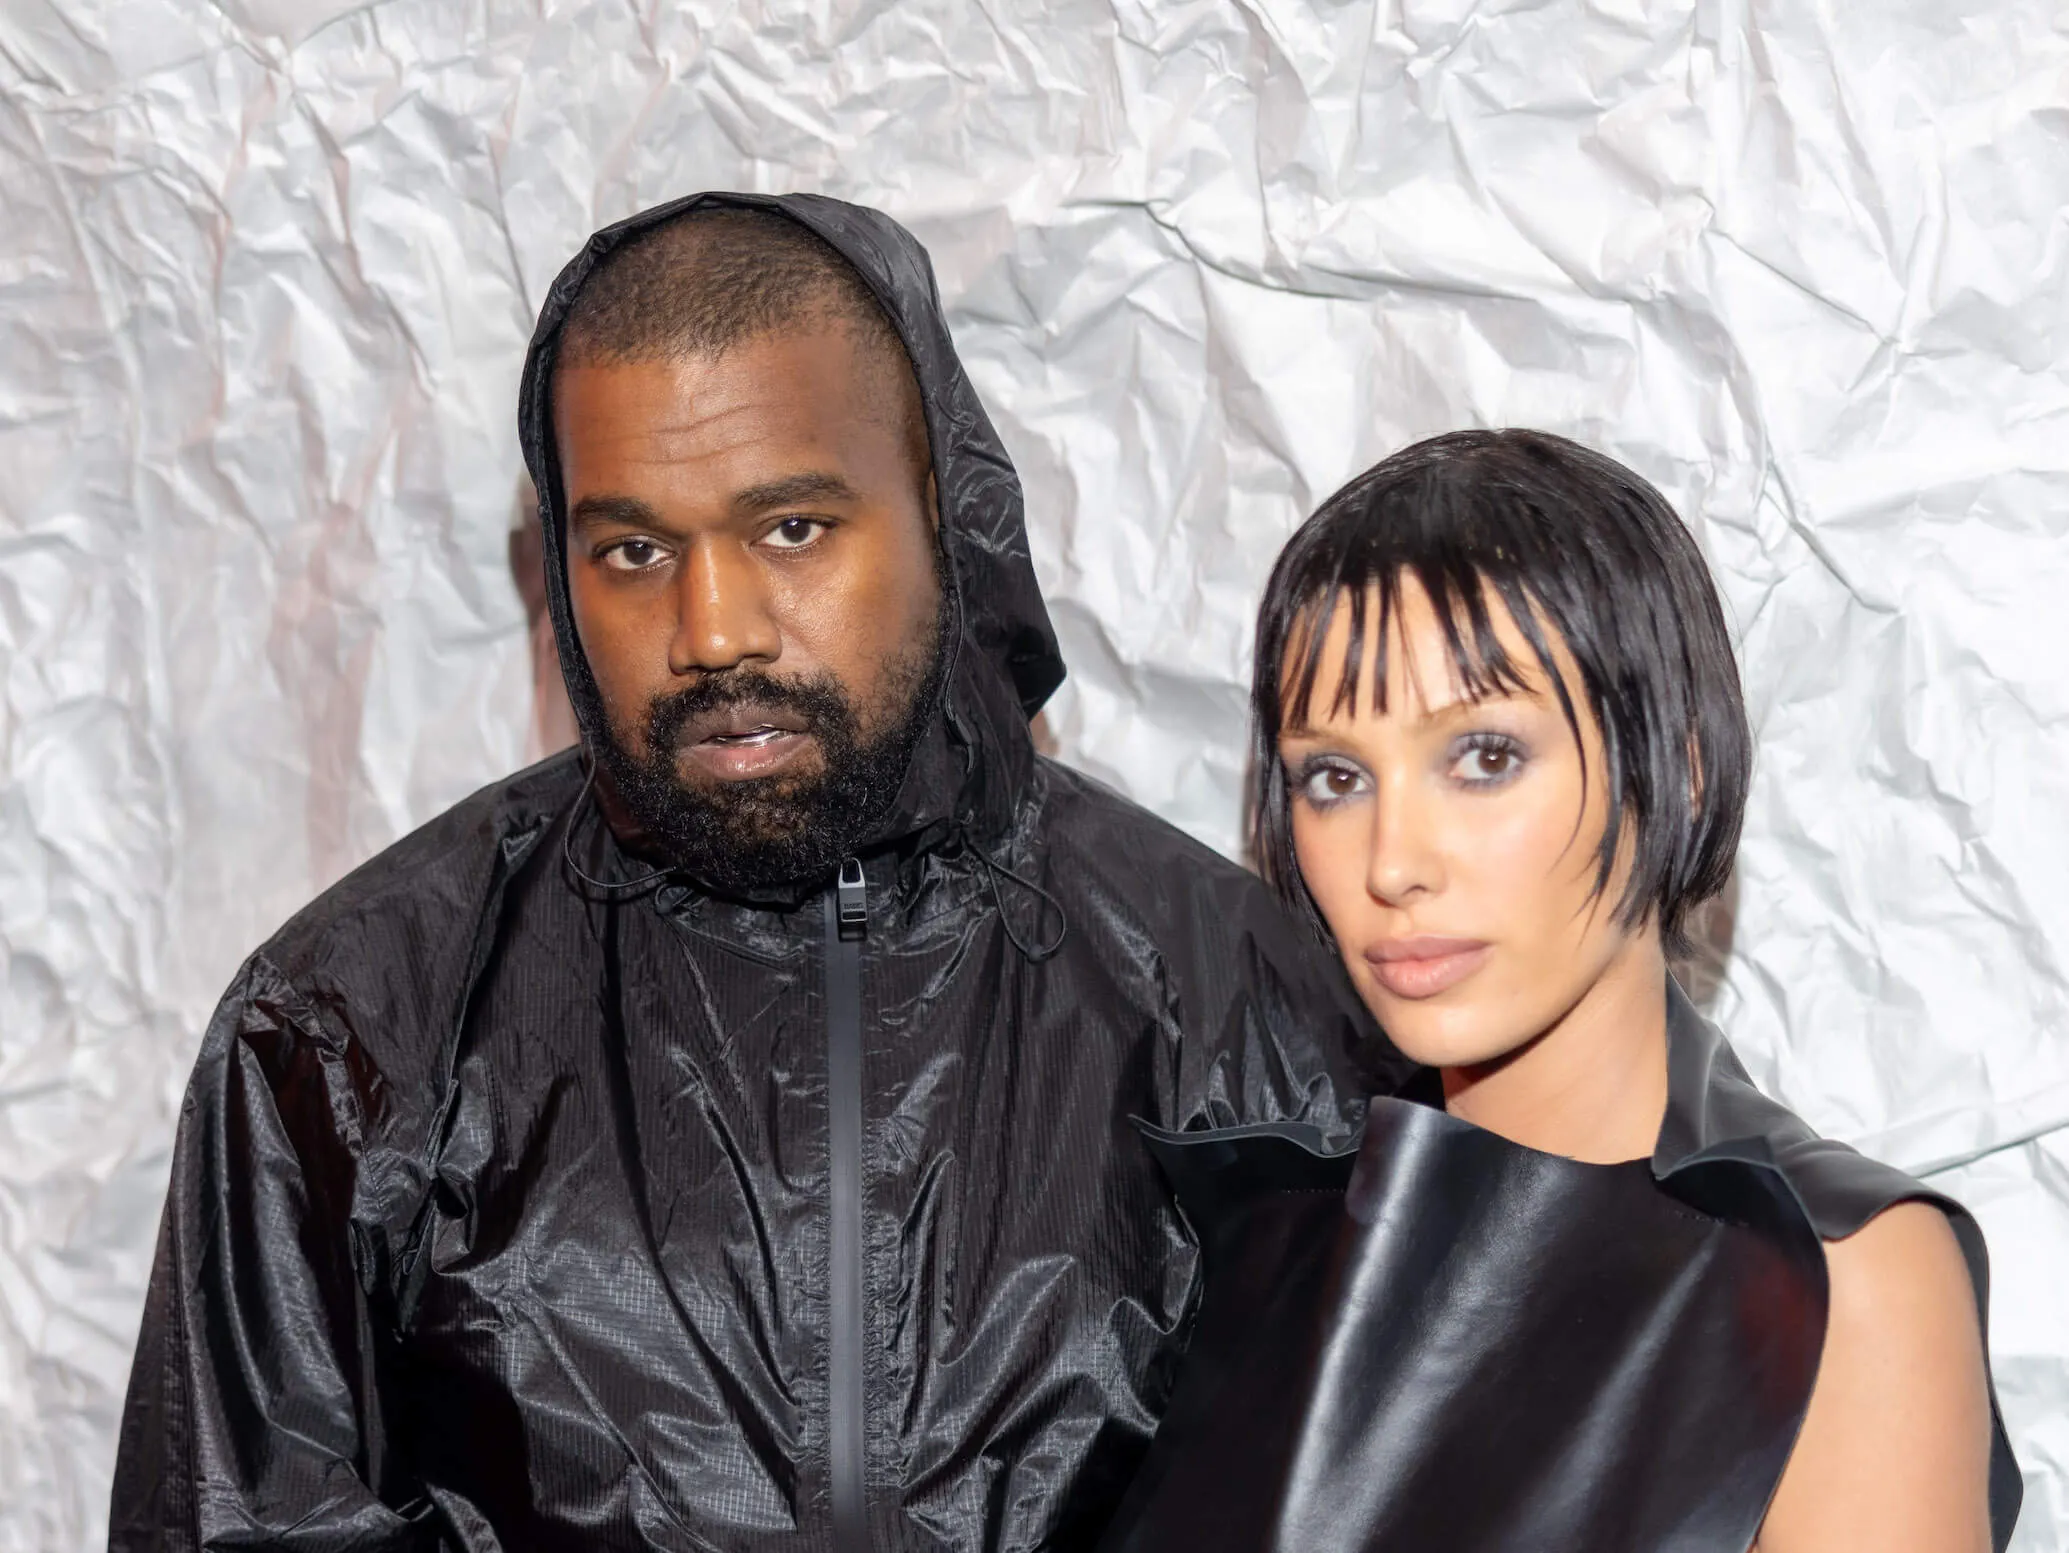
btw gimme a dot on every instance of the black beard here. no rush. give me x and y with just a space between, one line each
738 837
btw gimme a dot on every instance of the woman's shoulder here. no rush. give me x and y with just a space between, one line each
1901 1426
1902 1293
1894 1453
1907 1249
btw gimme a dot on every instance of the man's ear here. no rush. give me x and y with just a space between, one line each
1695 775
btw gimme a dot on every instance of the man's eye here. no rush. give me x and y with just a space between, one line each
632 555
794 533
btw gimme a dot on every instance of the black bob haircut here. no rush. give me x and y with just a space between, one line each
1572 543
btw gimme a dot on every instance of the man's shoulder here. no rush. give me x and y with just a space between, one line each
1102 830
1214 928
424 891
1172 885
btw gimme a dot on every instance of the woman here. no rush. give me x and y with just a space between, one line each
1591 1290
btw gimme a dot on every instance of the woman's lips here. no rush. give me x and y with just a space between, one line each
1423 967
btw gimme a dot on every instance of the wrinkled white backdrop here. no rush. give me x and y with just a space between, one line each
268 267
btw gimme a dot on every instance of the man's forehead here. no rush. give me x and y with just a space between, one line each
686 409
817 374
702 427
819 363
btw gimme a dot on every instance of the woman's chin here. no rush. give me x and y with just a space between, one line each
1458 1036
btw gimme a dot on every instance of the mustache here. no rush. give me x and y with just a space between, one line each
820 701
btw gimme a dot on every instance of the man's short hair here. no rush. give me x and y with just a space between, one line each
1570 542
716 276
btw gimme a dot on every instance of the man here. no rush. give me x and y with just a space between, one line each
729 1144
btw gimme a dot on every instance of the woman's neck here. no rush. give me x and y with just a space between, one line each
1593 1087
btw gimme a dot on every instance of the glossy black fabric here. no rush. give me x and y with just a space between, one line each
1461 1343
501 1208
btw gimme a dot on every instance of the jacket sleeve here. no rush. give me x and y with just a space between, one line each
1277 1032
253 1418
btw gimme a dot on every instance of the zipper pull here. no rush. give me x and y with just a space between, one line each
852 897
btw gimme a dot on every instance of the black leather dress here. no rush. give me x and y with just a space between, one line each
1450 1342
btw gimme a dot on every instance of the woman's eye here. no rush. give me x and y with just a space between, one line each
1325 784
793 533
632 555
1488 760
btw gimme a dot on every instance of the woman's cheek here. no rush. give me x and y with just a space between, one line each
1490 858
1521 837
1332 862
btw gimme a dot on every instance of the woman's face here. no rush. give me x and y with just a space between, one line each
1452 844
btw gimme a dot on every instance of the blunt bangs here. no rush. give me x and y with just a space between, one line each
1574 546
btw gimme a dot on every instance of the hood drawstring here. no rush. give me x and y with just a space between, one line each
994 870
567 855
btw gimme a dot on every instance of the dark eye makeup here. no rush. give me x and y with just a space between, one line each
1323 781
1487 759
1480 761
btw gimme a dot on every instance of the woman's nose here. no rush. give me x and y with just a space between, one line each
1404 862
723 615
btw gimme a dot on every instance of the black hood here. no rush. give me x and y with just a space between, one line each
973 758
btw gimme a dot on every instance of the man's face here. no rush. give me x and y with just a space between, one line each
755 579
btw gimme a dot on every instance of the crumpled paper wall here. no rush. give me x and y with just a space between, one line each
268 267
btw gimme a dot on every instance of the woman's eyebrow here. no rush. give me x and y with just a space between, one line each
1463 704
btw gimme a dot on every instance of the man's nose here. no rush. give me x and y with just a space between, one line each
1405 861
722 614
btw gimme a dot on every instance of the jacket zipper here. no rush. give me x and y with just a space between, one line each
847 920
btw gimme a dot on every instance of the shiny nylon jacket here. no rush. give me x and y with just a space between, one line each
509 1211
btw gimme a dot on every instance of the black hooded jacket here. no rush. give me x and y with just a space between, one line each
512 1212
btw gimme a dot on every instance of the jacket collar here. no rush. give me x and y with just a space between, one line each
1711 1101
